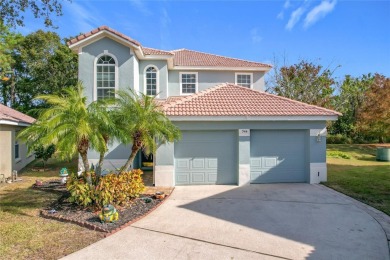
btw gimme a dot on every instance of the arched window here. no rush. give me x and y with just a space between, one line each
151 81
105 77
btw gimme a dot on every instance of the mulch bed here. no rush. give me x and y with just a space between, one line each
65 211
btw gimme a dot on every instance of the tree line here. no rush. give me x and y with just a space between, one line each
363 101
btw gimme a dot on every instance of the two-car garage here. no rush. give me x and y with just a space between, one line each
211 157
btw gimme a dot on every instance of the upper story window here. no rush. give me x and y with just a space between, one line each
244 79
105 77
151 81
188 82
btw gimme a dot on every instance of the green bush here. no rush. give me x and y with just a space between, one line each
338 154
338 139
117 189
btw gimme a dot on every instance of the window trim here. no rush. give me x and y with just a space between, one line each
94 98
244 73
157 78
181 83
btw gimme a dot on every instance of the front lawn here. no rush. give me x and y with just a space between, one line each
25 235
353 170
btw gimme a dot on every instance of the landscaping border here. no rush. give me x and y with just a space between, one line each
45 214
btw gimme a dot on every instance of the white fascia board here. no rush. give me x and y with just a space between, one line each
252 118
95 37
8 122
259 69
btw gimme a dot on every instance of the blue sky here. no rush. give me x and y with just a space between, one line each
352 34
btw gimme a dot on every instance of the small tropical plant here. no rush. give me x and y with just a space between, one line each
44 153
142 122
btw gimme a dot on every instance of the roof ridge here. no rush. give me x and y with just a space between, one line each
221 56
193 96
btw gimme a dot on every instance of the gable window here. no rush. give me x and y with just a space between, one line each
244 79
151 81
188 82
105 77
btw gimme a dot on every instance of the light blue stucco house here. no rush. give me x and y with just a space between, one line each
233 131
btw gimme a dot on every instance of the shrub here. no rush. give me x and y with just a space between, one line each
117 189
338 154
338 139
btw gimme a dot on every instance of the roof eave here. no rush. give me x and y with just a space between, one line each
101 34
255 118
220 68
14 123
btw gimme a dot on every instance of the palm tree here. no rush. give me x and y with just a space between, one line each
70 124
142 122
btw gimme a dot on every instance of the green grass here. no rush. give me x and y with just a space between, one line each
25 235
360 176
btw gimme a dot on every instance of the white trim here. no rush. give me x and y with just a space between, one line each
157 78
9 122
100 35
252 118
258 69
156 57
180 82
80 51
243 73
94 98
135 72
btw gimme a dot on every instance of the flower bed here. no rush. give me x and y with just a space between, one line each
63 210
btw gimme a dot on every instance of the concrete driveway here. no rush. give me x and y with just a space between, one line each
273 221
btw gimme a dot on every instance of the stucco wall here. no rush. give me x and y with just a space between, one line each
7 144
208 79
162 73
126 63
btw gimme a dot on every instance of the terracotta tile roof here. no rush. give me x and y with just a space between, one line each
151 51
232 100
102 28
184 57
10 114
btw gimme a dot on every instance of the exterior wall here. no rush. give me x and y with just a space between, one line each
126 62
7 144
208 79
315 151
162 81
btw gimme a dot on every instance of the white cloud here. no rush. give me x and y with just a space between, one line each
287 4
280 15
84 17
140 5
318 12
295 17
255 37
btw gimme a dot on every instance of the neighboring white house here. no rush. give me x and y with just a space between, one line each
13 154
233 132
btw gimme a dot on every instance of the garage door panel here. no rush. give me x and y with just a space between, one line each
278 156
182 178
198 177
212 157
183 164
198 163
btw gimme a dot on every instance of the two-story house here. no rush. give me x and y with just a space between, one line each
233 131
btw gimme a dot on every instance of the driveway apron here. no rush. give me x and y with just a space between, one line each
272 221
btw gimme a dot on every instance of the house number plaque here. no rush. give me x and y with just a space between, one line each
244 132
